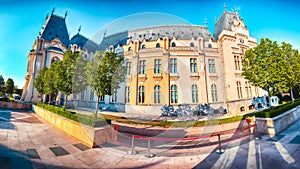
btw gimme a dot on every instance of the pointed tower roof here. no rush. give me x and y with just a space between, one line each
225 22
55 27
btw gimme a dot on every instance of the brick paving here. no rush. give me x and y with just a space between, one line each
26 141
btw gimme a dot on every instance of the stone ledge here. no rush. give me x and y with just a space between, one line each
14 105
89 136
273 126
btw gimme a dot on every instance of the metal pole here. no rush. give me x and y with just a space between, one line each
149 147
220 150
132 145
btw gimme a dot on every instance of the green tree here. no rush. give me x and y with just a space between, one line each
258 65
39 81
9 87
105 74
49 79
70 74
289 72
2 85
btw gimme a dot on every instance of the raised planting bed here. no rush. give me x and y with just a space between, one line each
15 105
273 126
90 136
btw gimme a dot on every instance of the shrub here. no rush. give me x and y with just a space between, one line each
83 119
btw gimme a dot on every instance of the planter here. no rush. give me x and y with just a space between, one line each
90 136
14 105
275 125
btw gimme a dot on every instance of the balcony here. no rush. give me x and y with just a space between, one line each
142 77
174 76
157 76
183 48
195 75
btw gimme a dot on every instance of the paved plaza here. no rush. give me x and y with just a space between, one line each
27 141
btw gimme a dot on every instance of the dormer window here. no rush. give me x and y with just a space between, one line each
129 49
209 46
143 46
192 45
173 44
158 45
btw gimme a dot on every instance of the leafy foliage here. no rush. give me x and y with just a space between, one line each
83 119
105 74
39 81
49 80
2 85
9 87
272 66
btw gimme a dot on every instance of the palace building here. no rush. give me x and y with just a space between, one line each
165 65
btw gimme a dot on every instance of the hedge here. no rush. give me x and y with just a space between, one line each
274 111
83 119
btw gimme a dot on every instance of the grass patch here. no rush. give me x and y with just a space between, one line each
81 118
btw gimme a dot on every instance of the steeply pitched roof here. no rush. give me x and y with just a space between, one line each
84 43
224 23
55 27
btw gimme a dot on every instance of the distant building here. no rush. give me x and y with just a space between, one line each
171 64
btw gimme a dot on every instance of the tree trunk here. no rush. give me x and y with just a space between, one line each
49 99
292 95
97 106
66 99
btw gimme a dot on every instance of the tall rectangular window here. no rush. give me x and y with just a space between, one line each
239 89
82 95
102 98
193 65
128 68
157 66
214 94
142 69
211 66
114 97
173 66
237 63
127 94
92 96
195 94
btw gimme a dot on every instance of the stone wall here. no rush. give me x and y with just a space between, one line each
275 125
86 134
14 105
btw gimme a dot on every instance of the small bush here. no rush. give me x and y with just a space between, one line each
83 119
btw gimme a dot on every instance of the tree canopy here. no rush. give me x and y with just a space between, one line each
9 87
49 79
2 85
105 74
39 81
272 66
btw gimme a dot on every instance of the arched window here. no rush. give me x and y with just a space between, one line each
129 49
173 44
158 45
214 94
239 89
141 94
195 94
209 46
174 94
143 46
54 59
157 94
192 45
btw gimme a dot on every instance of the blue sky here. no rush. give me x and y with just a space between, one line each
21 21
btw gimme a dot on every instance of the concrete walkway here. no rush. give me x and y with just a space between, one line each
26 141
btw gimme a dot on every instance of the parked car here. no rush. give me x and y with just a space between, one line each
4 98
16 96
